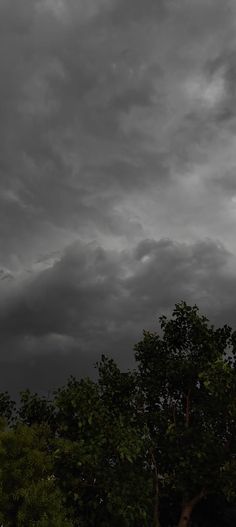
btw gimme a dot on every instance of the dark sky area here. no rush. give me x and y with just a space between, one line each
117 177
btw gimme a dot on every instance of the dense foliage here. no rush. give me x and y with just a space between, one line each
151 447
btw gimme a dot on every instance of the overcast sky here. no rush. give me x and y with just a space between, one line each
117 177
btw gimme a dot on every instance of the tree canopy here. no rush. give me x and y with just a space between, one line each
155 446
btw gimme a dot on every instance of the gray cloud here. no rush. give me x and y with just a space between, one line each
94 300
117 128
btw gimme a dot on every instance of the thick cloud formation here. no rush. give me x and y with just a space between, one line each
117 186
93 301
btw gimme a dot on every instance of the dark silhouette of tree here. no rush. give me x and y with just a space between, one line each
154 446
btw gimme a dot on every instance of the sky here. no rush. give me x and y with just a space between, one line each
117 177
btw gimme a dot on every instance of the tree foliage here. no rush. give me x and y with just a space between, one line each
28 493
154 446
187 376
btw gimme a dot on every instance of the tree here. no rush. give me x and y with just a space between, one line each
188 380
99 451
156 445
28 491
36 410
7 408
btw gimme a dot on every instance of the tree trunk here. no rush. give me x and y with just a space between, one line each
156 520
185 516
187 510
156 512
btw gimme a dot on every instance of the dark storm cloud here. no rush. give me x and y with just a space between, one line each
62 89
77 90
94 301
117 127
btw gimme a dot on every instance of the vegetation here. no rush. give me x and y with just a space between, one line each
151 447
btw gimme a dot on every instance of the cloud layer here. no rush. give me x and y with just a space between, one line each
117 175
93 301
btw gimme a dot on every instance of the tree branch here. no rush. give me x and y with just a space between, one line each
187 414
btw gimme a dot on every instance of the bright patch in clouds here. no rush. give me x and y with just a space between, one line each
65 10
208 93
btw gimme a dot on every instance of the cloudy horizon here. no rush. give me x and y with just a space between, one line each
117 177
